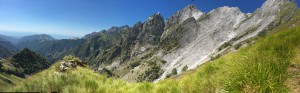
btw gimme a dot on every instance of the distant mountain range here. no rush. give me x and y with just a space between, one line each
152 50
7 49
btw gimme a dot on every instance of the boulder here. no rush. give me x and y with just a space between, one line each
66 66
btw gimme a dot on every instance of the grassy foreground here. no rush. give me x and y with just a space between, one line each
272 64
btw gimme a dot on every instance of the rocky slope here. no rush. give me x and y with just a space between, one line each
151 50
223 27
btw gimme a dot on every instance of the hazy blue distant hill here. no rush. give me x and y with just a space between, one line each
7 49
35 38
49 47
9 38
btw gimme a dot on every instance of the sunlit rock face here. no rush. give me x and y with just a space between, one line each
150 50
202 35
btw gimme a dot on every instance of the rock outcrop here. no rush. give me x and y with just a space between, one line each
71 64
186 40
152 29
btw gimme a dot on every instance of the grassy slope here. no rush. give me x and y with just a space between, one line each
269 65
8 81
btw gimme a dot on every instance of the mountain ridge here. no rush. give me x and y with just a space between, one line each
245 70
156 47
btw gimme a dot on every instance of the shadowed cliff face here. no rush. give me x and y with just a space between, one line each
153 49
152 29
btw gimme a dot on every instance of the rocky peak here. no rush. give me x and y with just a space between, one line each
138 26
152 29
180 16
225 10
114 29
271 3
191 6
154 17
71 64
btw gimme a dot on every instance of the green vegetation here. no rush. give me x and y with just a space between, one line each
271 64
174 72
134 64
7 80
26 62
172 41
6 49
238 46
225 45
184 68
260 67
75 60
151 74
29 61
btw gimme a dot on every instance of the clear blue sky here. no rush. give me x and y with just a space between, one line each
75 18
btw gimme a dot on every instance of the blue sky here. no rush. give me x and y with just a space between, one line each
75 18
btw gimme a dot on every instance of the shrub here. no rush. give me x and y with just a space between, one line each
134 64
184 68
237 46
174 72
226 44
163 61
262 33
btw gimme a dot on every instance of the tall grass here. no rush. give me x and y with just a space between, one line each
260 67
263 68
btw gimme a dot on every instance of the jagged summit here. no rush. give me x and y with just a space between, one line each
271 3
157 47
152 29
156 15
190 7
225 25
185 13
227 8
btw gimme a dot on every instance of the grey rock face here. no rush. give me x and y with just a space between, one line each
71 64
152 29
188 38
202 38
181 16
130 34
65 66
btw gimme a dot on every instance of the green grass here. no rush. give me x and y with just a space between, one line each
7 81
263 67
